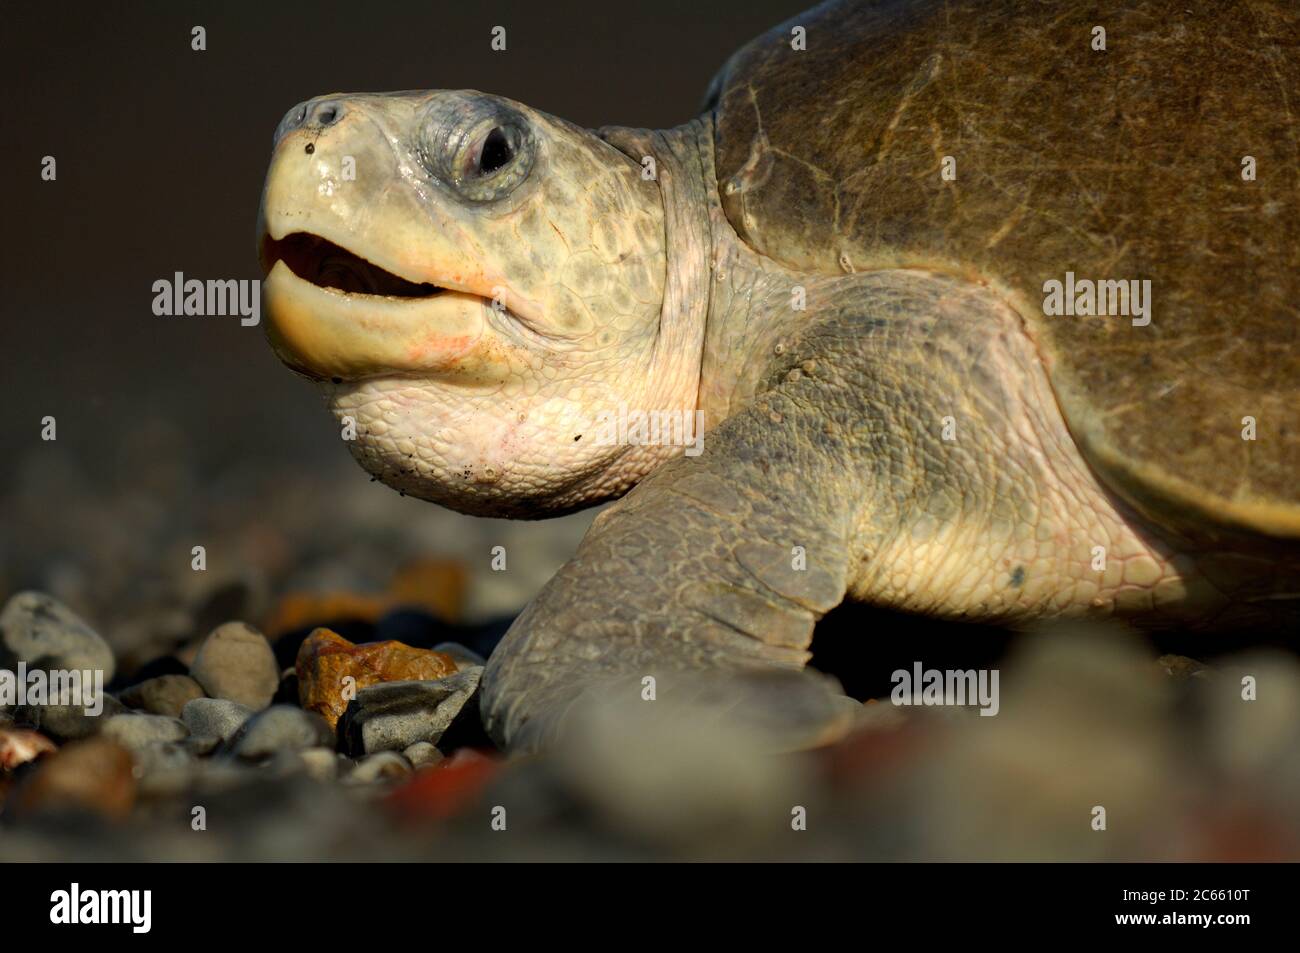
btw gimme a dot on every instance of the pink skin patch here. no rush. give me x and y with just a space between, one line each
438 345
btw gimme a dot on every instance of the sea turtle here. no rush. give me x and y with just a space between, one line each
989 309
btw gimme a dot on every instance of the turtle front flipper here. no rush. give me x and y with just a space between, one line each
698 590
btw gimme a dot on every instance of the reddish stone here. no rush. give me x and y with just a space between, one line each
18 746
445 789
326 659
94 775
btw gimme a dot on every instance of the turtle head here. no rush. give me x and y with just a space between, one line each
472 282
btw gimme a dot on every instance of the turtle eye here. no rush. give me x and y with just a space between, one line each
482 150
486 158
493 158
495 151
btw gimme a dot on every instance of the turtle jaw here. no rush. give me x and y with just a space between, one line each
335 315
327 333
328 265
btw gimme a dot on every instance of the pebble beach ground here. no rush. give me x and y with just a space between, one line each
222 734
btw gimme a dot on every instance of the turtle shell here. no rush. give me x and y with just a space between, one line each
1170 156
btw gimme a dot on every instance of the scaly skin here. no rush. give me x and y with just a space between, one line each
826 434
825 471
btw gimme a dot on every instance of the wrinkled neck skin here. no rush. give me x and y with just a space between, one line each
728 311
684 171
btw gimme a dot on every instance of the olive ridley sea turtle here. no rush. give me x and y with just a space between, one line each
989 310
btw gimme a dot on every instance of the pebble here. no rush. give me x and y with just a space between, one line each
68 722
236 663
38 629
282 728
95 776
164 695
323 764
326 659
383 766
392 716
423 753
319 763
215 718
448 790
692 766
135 732
18 746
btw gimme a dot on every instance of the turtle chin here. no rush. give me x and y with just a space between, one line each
482 454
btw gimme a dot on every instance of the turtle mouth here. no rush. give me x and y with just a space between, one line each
334 315
327 265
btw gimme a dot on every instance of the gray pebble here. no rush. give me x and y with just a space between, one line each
215 717
392 716
282 728
236 663
135 731
38 629
164 695
68 722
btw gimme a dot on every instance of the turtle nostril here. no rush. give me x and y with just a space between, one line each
308 114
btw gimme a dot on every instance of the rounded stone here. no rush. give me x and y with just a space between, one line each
423 753
42 632
135 732
382 766
236 663
215 717
164 695
282 728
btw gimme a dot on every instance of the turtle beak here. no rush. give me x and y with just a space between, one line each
359 281
327 333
